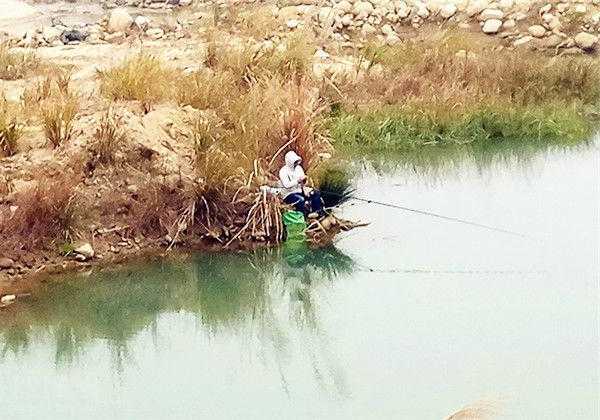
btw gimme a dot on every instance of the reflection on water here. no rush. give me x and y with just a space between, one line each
223 292
438 163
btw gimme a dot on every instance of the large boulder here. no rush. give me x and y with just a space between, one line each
586 41
119 20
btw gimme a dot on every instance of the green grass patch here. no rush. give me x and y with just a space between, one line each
410 127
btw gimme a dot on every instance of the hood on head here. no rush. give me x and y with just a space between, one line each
291 158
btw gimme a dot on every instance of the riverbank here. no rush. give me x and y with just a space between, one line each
147 135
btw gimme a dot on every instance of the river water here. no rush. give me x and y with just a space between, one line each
412 317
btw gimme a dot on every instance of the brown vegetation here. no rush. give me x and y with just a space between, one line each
38 215
10 130
16 64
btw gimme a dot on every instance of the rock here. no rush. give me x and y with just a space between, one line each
83 251
119 20
421 10
488 14
115 37
51 34
73 35
368 29
155 33
522 41
586 41
475 7
6 263
402 9
321 55
347 20
327 17
509 24
363 9
185 2
392 39
388 30
292 23
537 31
551 22
6 299
552 41
448 10
344 7
580 9
491 26
545 9
506 5
142 22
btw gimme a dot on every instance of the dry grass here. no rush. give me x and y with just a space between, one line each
108 138
258 23
16 64
249 62
44 213
10 129
432 69
58 115
142 78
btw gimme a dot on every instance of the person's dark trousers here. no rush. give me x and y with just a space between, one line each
297 200
316 205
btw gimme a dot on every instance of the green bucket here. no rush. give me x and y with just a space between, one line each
295 225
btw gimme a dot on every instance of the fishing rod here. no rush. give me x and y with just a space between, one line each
439 216
427 213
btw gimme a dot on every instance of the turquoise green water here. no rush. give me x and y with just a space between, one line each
409 318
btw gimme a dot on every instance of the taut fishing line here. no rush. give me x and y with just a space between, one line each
428 213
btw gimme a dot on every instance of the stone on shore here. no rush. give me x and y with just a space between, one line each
6 263
83 251
488 14
537 31
586 41
119 20
491 26
448 10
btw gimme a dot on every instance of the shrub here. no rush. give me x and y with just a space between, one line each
142 77
10 130
16 65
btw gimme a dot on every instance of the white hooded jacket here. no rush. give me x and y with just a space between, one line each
291 174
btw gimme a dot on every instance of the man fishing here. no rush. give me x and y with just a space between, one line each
294 189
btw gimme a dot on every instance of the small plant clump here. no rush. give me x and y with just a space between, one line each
10 130
44 213
109 136
142 78
15 64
